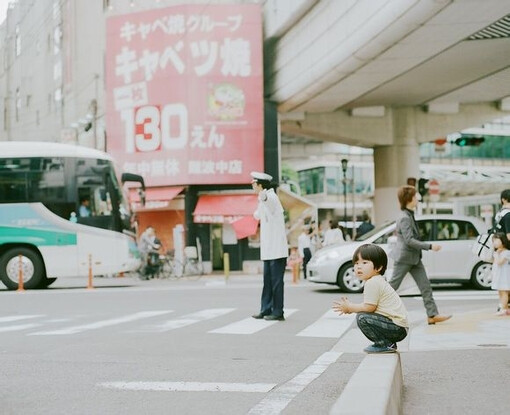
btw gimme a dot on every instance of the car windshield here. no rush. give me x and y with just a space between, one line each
377 229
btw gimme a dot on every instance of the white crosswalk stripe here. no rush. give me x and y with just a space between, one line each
463 296
101 324
7 319
18 327
189 319
330 325
249 325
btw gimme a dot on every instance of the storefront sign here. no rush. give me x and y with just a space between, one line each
185 93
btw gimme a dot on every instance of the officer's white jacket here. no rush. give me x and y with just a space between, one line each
273 237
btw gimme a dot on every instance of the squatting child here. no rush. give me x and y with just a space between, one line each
501 271
382 316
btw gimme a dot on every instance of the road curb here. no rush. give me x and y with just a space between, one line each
375 388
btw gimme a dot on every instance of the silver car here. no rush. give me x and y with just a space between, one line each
453 263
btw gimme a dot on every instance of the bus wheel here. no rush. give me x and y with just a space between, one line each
31 265
45 283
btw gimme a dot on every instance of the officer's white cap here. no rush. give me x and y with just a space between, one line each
261 176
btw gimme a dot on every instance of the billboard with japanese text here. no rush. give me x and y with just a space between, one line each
185 93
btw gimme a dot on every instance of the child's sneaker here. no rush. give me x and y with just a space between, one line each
502 312
379 349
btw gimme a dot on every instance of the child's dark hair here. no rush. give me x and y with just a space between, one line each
373 253
502 237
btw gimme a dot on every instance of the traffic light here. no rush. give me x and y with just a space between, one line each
423 188
465 141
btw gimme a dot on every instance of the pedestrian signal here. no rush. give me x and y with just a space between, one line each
466 141
423 187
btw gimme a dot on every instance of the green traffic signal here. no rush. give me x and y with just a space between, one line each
469 141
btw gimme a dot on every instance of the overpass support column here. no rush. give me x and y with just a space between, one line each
393 164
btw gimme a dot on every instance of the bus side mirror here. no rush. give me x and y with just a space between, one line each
131 177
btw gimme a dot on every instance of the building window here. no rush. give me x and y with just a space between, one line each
311 181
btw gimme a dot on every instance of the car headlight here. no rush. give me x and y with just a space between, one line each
327 256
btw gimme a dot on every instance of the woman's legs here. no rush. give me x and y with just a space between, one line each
503 297
420 277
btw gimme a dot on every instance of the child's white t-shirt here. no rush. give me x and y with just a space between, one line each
378 292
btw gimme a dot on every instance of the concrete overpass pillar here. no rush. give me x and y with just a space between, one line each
393 164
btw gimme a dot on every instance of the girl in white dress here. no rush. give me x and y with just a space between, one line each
501 270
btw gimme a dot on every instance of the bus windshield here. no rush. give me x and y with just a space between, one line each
85 188
62 208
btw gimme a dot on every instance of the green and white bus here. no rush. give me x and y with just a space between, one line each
41 186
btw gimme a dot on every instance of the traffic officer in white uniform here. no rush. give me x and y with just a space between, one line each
273 246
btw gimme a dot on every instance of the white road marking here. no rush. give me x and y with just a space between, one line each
249 325
190 386
189 319
462 297
18 327
280 397
101 324
330 325
17 318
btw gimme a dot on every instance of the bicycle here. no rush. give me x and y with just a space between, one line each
173 268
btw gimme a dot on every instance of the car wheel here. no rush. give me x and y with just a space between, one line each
31 264
481 277
347 280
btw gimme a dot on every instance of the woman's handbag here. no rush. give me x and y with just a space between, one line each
483 248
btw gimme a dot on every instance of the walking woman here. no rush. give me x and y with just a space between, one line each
407 253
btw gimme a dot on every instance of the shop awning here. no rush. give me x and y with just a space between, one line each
224 208
156 194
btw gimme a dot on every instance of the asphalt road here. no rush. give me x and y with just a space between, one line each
187 347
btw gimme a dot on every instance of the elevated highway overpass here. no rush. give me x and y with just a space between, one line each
386 74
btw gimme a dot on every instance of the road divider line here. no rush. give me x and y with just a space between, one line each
277 399
249 325
101 324
190 386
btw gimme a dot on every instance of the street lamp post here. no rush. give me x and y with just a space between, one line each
344 170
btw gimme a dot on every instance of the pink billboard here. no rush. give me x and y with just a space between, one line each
184 93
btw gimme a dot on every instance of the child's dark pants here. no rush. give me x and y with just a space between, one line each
380 329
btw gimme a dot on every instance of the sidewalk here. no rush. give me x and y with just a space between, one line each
457 367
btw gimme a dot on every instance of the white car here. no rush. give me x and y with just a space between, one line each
453 263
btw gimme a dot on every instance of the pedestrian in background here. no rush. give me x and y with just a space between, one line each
366 225
501 271
304 248
294 262
315 240
407 253
382 317
502 218
333 235
273 246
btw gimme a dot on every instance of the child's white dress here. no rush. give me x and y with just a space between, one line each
501 273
